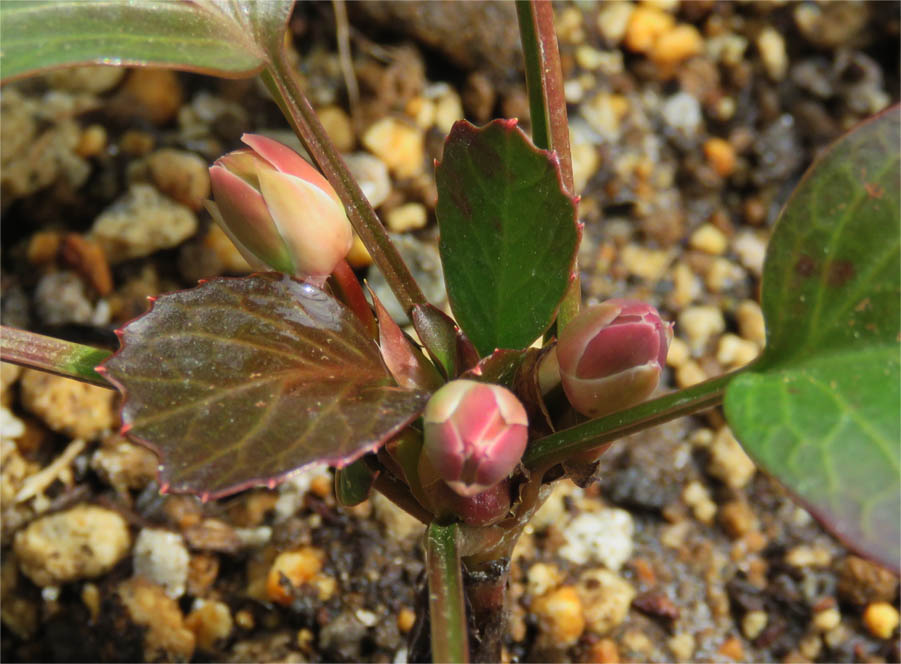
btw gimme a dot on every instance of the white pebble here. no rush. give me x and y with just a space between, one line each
604 537
161 556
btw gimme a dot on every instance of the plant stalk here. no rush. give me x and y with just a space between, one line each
562 445
447 613
547 107
63 358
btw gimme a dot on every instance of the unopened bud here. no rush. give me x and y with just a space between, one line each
278 210
611 356
475 434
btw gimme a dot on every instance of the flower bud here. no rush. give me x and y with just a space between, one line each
475 434
278 210
611 356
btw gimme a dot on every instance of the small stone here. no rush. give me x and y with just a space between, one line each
737 518
646 25
140 223
881 619
560 618
135 143
733 351
861 582
826 620
690 373
569 27
182 176
673 46
448 110
89 261
751 251
153 93
297 568
95 79
422 110
407 217
696 496
700 323
203 568
604 651
722 275
810 646
61 298
92 141
165 636
11 427
750 322
728 461
227 255
68 406
686 287
338 126
424 262
604 536
124 465
806 556
732 648
682 114
721 155
43 247
682 646
396 521
542 578
399 145
359 256
613 20
604 113
371 174
406 618
161 557
753 623
709 239
82 542
606 598
649 264
211 623
771 46
678 353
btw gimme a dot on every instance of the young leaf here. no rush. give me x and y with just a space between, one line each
508 234
240 382
819 410
207 36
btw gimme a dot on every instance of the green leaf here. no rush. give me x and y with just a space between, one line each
353 483
509 234
240 382
208 36
819 410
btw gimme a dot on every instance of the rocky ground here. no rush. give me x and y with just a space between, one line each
690 121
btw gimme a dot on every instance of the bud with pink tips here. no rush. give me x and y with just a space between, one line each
611 356
475 434
278 210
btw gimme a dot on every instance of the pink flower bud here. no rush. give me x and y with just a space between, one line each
278 210
475 434
611 356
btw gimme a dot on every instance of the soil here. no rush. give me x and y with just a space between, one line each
690 121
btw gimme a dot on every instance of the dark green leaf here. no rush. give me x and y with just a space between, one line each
508 234
353 483
819 410
208 36
240 382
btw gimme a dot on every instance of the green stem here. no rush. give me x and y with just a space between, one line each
282 83
547 106
447 613
63 358
559 446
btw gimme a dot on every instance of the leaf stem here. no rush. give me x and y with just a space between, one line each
561 445
547 106
447 614
63 358
281 80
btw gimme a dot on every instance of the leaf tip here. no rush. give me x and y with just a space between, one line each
164 488
125 428
510 123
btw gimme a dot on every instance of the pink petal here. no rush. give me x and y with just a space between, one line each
286 160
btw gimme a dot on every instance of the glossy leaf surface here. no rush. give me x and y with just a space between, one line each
508 234
819 410
209 36
240 382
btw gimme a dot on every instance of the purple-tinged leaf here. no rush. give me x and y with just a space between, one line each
241 382
405 361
